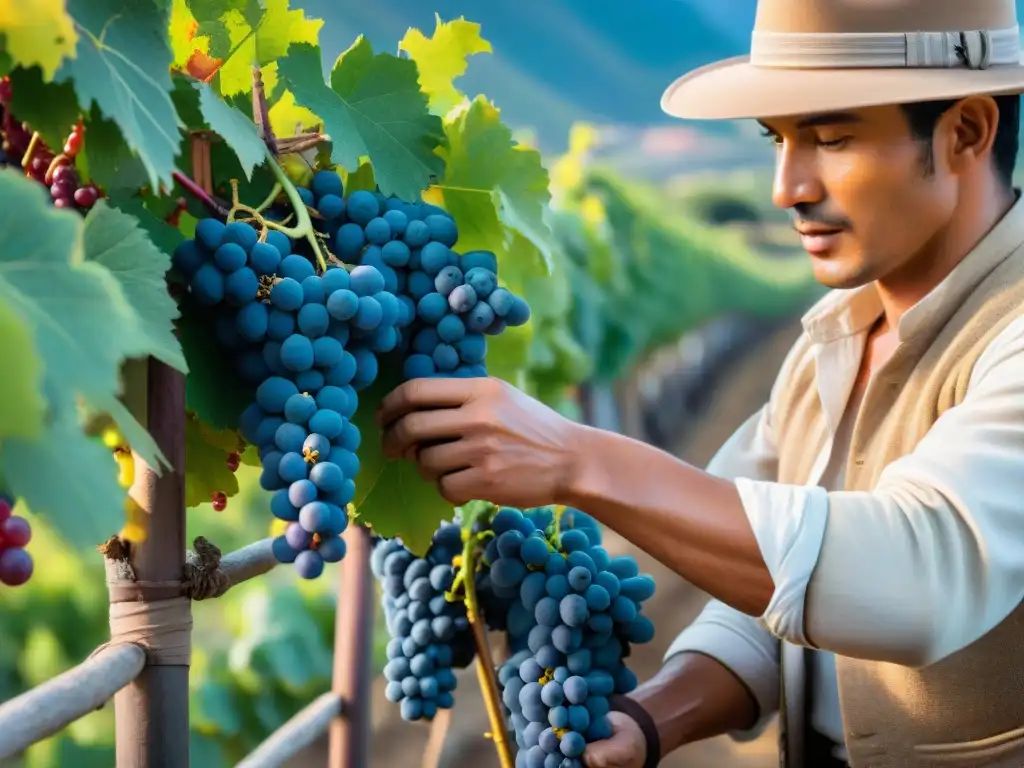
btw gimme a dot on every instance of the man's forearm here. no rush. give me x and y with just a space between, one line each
694 697
689 520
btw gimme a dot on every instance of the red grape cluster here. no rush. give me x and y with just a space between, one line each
56 171
15 533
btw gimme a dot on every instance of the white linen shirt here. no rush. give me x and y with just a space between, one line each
918 568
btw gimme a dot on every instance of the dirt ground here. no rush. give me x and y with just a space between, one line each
458 741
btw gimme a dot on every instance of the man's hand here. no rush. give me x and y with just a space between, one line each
626 748
480 439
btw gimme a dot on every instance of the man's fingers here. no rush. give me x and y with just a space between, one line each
419 427
463 486
438 460
421 394
616 752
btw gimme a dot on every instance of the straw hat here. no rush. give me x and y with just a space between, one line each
809 56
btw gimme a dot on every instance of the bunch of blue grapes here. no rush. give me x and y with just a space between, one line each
308 343
583 611
454 301
430 633
458 304
502 607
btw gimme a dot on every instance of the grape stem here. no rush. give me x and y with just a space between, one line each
484 661
304 227
270 198
261 116
557 534
200 194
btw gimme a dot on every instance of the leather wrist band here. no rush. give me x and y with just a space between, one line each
635 710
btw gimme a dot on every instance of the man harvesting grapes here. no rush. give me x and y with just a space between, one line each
861 534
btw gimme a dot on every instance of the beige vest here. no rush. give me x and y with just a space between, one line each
966 710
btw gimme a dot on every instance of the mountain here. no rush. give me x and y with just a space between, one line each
559 61
556 62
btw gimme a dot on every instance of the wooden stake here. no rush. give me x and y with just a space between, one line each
353 654
152 711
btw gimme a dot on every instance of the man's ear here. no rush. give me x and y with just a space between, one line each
968 131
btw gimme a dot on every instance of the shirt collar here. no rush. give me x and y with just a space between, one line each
848 312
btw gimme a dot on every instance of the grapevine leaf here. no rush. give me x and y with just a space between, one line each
442 58
206 467
115 240
38 32
390 494
241 34
86 504
21 405
183 27
164 236
287 118
123 66
45 279
360 178
50 108
490 180
373 108
106 159
234 127
212 389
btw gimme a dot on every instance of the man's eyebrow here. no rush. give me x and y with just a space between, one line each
823 119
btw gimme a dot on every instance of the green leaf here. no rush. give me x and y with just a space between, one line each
38 32
106 159
123 65
206 466
115 240
81 323
234 127
164 236
66 477
213 389
373 108
390 494
21 404
491 182
442 58
50 108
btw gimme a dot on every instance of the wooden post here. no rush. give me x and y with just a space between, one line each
152 711
353 654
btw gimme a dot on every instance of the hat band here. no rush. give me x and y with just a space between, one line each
975 49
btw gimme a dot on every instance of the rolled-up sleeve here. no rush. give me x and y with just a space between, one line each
737 641
745 648
927 562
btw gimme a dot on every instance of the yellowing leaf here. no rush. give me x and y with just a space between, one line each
442 58
287 118
136 522
201 66
184 40
261 41
206 467
490 183
38 32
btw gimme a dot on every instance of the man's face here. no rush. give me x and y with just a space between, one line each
865 204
